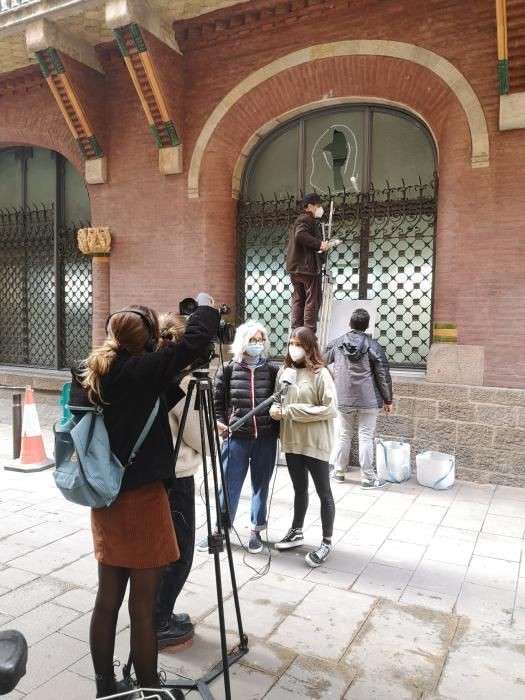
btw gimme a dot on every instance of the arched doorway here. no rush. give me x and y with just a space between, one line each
378 165
45 282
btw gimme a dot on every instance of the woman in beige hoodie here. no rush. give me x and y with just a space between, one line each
307 432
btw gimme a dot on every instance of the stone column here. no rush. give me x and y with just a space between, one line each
97 243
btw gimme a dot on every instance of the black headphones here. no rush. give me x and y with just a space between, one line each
151 343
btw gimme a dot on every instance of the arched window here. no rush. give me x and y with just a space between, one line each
377 165
45 282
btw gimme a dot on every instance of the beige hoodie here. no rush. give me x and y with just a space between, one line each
190 458
308 412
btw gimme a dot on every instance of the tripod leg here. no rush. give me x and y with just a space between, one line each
205 400
212 427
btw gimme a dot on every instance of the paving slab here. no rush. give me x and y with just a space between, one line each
307 679
399 652
384 581
324 625
485 603
485 662
42 621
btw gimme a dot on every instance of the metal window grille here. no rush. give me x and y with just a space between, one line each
387 255
45 291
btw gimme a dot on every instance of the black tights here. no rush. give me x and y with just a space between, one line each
298 467
112 582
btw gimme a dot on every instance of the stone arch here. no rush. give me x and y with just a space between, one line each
270 125
439 66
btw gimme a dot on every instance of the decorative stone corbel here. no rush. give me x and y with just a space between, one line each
97 243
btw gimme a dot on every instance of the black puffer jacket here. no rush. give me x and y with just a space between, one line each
238 389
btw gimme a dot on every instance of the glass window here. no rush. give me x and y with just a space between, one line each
10 179
400 149
41 177
77 207
333 152
274 171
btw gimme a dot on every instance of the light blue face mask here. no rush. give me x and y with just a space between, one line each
255 350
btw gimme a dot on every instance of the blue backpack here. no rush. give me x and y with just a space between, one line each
87 471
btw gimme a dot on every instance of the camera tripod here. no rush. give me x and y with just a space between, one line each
202 387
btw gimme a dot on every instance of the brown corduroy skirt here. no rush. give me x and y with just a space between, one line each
136 530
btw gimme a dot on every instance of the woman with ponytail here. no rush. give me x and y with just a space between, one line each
134 538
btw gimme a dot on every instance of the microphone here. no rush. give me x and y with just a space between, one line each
288 378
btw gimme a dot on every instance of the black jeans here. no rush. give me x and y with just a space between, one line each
299 466
182 505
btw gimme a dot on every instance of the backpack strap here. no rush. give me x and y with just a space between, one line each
144 433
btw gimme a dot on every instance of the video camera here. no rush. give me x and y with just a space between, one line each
225 330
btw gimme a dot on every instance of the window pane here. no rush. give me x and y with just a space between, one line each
333 151
41 178
10 180
275 168
77 208
400 149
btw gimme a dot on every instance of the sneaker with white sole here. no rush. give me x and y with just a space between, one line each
255 544
373 483
338 476
315 559
293 538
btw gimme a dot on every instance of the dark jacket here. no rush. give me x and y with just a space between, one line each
361 374
302 257
130 390
238 389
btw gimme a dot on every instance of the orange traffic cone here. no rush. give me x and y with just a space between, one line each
33 456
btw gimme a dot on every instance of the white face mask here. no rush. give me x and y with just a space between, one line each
318 213
297 354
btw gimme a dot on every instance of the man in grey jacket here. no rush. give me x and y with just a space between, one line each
363 384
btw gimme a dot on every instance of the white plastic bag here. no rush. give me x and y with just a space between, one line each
393 460
436 469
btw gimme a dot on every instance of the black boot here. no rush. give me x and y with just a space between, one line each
172 633
108 685
159 683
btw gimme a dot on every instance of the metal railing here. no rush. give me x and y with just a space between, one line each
11 5
46 291
387 255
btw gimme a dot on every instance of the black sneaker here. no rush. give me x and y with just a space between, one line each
293 538
315 559
373 483
255 544
172 634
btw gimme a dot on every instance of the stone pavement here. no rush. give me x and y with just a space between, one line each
423 596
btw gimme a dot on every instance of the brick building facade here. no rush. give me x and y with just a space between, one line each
243 69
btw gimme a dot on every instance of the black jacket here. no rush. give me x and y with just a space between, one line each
361 374
302 257
244 387
130 390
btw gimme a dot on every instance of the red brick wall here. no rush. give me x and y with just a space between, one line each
167 246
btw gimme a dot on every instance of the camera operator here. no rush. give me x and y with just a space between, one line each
134 537
176 629
244 383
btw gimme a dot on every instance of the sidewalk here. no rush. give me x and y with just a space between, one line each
423 596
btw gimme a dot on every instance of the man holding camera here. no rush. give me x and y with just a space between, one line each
304 262
363 385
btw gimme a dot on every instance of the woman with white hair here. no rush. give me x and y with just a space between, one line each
241 385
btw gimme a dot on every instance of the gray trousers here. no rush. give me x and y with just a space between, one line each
365 419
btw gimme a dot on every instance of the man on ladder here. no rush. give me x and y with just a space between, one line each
304 263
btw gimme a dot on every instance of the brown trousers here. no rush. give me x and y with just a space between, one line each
306 300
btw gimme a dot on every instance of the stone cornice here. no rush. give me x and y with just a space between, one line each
227 24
